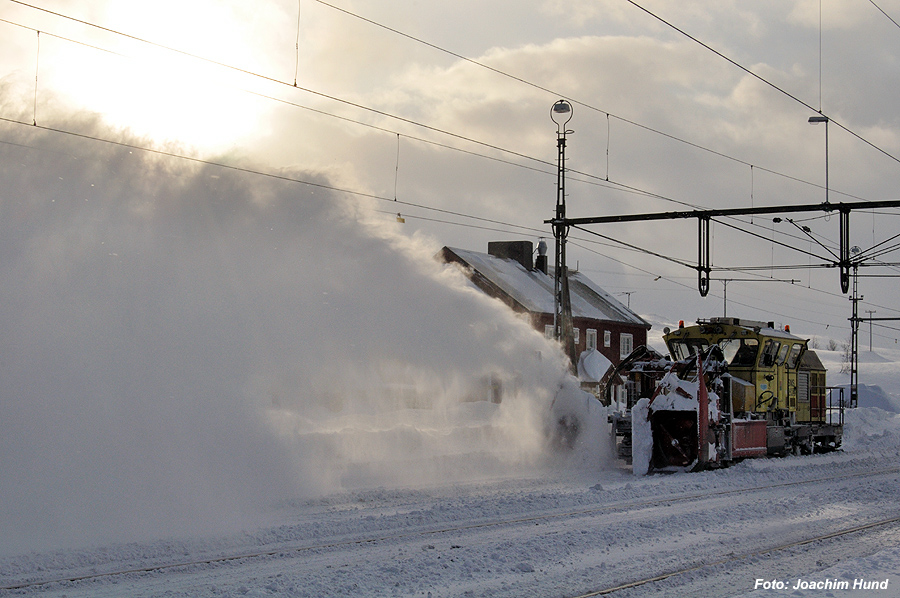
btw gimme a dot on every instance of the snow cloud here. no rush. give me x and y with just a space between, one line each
184 344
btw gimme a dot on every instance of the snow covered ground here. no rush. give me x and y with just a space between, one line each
569 525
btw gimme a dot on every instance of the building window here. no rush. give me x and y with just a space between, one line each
548 331
626 345
591 338
577 335
607 338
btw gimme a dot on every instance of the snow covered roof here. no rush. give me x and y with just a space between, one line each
533 289
593 366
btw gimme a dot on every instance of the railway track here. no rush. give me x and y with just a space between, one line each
740 557
610 508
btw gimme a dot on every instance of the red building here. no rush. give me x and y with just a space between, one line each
508 273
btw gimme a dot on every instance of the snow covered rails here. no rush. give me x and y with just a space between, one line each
735 390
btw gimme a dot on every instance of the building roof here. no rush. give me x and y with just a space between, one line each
811 361
533 290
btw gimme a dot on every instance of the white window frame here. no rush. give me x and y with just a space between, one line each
607 338
577 334
590 338
548 331
625 341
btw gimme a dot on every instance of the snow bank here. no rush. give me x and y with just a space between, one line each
641 437
872 395
868 428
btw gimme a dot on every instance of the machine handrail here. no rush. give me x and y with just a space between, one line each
835 407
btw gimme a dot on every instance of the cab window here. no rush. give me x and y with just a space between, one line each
682 349
729 347
794 356
770 350
740 352
782 353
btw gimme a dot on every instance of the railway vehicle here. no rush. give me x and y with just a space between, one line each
730 389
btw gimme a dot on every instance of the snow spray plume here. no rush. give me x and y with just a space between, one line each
183 345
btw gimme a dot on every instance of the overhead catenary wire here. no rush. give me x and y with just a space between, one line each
757 235
592 179
621 186
282 177
668 258
60 37
614 242
37 69
870 252
889 17
244 169
764 80
280 82
423 125
522 80
297 43
767 308
633 189
602 111
250 171
748 269
420 124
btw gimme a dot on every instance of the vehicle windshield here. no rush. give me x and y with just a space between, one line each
682 349
740 352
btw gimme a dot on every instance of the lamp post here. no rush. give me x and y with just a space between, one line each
561 114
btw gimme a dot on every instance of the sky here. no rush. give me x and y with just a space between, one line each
445 108
207 292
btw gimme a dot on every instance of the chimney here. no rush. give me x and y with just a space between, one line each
540 263
521 251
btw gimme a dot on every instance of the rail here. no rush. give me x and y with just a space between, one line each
735 557
286 550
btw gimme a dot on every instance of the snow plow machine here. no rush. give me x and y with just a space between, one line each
731 389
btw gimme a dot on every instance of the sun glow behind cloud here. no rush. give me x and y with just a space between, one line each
189 95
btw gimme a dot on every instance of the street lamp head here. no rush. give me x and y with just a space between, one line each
814 120
561 113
